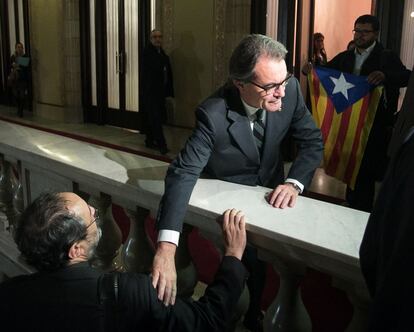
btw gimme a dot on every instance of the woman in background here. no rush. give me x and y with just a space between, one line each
319 57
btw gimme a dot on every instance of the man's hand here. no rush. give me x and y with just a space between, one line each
234 233
376 77
284 195
164 276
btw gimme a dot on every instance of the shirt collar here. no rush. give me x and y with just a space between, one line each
250 110
367 51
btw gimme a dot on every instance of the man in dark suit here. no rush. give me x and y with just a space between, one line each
381 66
387 248
156 85
237 138
58 233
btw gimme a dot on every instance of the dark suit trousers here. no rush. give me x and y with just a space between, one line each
154 119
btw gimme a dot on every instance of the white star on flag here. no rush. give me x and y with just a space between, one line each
341 85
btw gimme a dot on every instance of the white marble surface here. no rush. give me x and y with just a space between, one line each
320 234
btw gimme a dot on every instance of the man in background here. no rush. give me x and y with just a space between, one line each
156 84
381 66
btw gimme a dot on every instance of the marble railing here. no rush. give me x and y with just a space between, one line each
314 234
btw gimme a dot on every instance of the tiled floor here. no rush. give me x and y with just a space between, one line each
176 137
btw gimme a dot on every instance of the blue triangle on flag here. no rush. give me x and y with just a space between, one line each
342 88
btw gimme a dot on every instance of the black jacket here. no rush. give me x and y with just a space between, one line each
67 300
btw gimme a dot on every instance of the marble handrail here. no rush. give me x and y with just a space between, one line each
323 235
313 233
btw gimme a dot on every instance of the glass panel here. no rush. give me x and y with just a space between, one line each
21 23
12 25
131 60
93 51
112 53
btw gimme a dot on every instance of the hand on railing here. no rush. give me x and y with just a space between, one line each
234 233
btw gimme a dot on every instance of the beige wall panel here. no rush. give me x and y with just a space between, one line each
47 34
191 57
335 19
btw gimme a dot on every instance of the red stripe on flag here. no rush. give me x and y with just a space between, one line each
339 143
327 120
361 121
315 82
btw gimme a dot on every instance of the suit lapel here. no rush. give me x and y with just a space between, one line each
240 129
242 134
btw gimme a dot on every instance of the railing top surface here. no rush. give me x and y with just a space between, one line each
314 226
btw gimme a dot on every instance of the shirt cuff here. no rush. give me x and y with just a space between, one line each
167 235
300 185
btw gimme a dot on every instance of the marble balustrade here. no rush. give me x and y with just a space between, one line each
314 234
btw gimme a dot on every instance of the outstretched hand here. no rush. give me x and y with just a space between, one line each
164 275
234 233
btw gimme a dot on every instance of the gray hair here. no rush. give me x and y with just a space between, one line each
245 55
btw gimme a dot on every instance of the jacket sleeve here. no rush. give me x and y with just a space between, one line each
396 74
213 311
183 173
308 139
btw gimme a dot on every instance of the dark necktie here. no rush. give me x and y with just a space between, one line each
258 130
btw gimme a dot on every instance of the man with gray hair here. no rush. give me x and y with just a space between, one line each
237 138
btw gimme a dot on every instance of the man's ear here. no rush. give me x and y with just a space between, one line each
75 250
238 84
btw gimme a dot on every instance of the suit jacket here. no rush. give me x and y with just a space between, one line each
405 119
386 253
67 300
222 146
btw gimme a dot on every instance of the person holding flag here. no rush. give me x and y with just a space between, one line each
356 116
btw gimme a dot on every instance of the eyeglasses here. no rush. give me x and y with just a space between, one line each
364 32
273 86
95 217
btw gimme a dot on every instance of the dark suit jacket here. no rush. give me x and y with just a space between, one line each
405 119
67 300
396 76
222 146
387 249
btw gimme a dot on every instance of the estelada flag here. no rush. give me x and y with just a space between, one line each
344 108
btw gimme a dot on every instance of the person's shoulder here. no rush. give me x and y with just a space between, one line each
15 283
217 101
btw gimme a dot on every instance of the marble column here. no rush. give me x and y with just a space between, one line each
108 247
186 272
287 312
5 193
137 252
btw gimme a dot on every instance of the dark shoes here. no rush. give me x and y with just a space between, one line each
254 324
154 145
151 144
164 150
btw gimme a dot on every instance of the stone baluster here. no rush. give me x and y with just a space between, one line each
138 251
186 272
359 297
109 245
6 196
287 312
17 193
